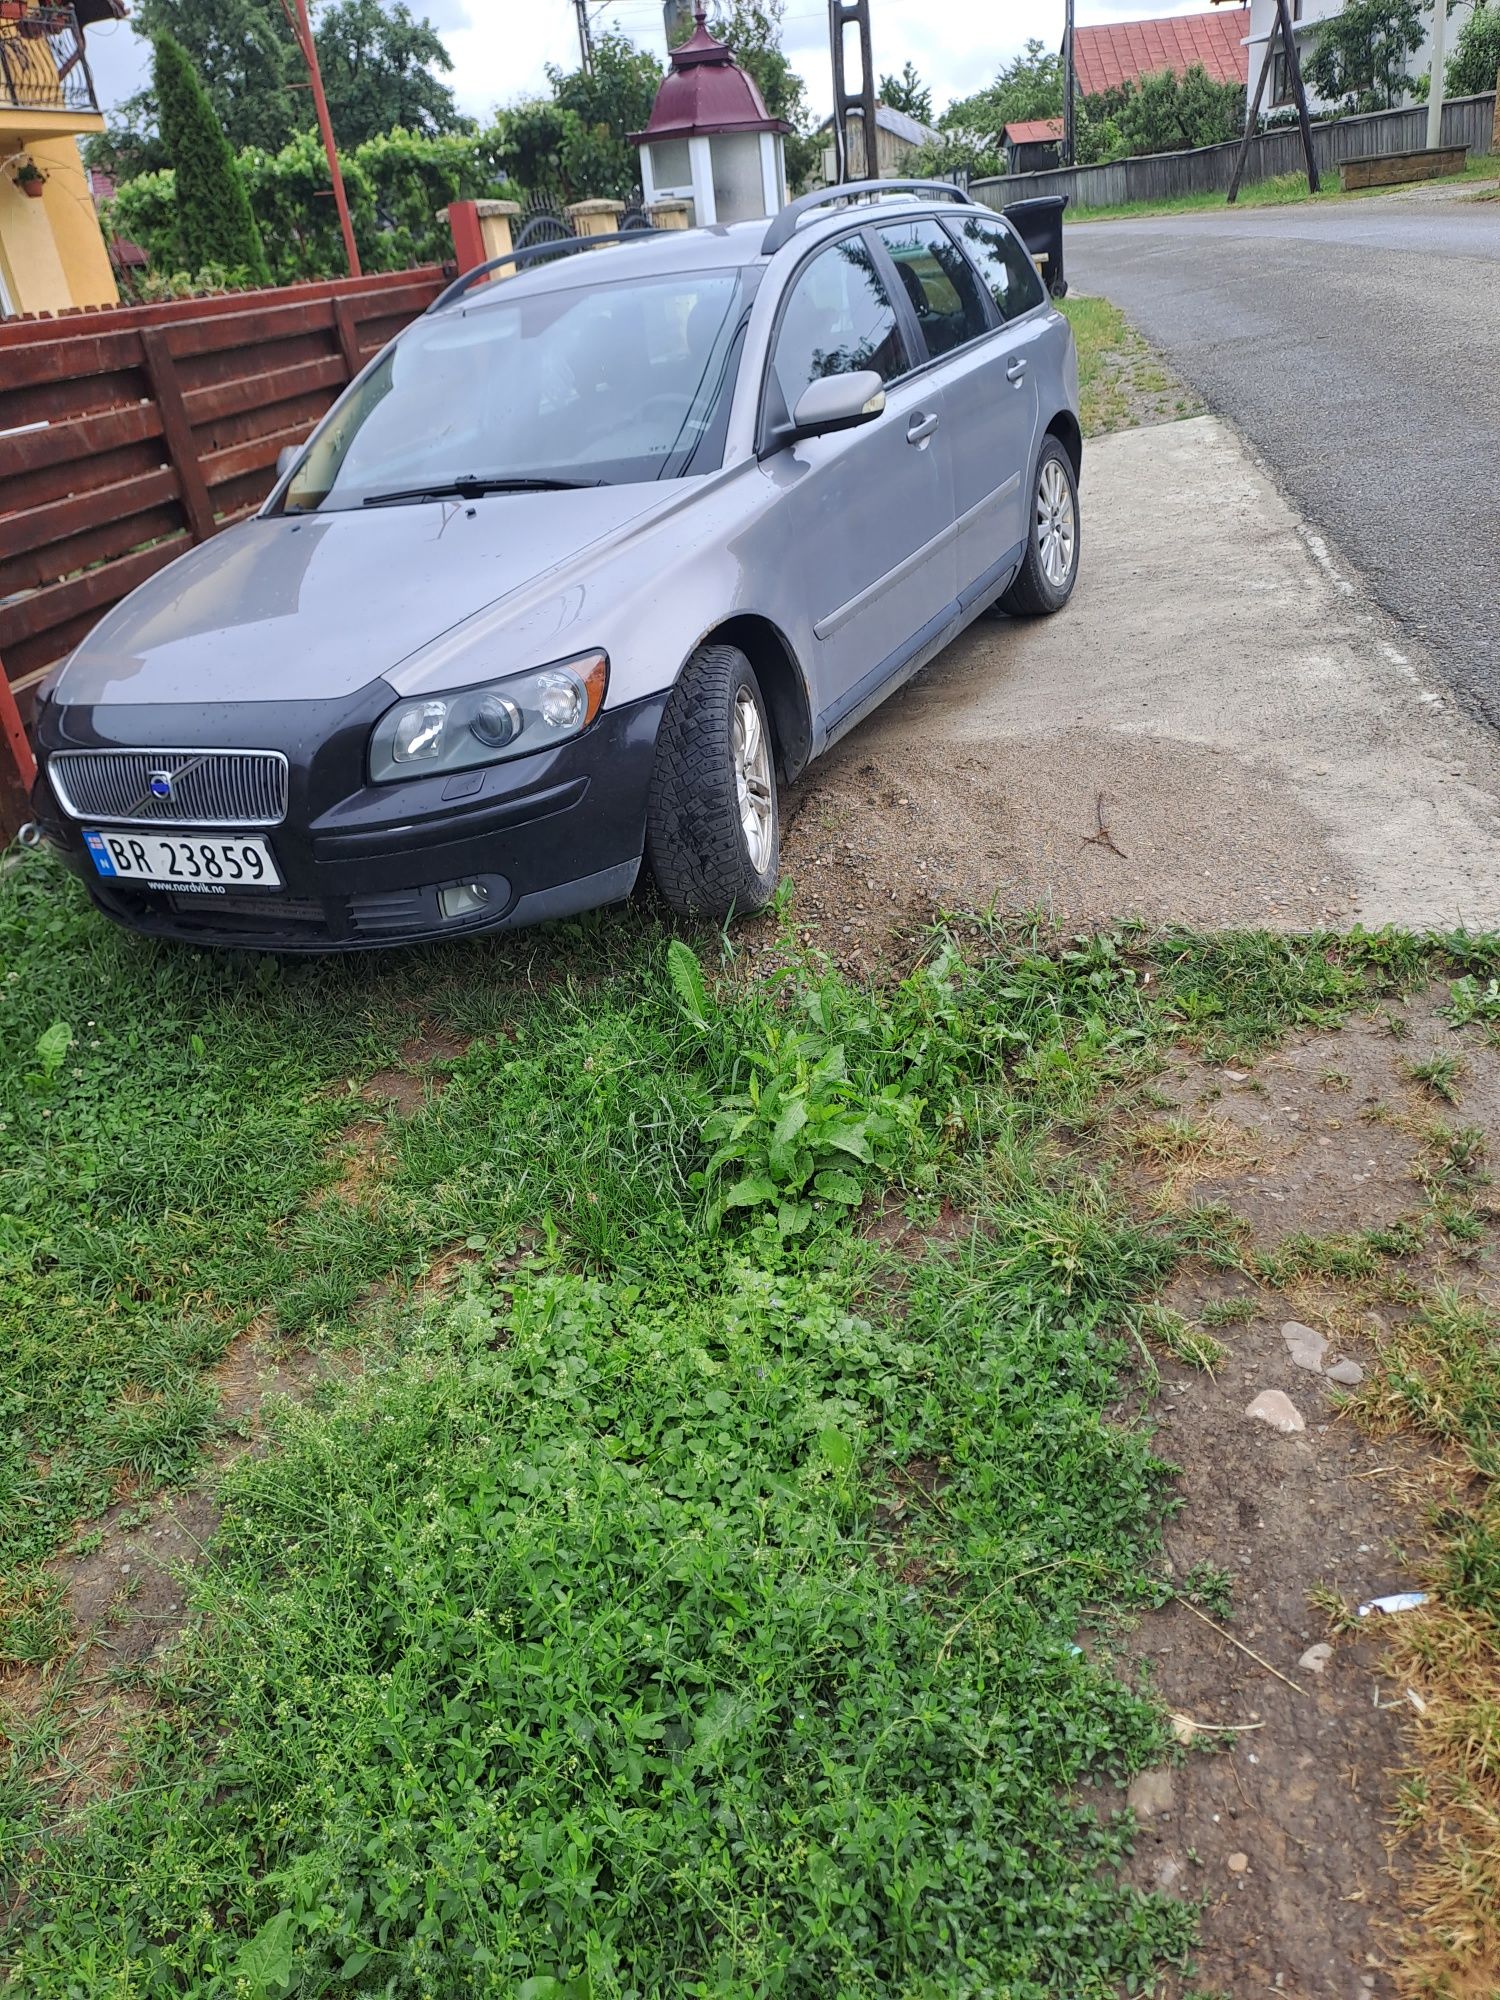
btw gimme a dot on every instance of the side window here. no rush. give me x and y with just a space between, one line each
1003 264
838 319
939 283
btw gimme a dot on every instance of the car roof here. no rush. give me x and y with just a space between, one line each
710 247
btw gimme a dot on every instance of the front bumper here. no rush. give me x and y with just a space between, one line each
548 835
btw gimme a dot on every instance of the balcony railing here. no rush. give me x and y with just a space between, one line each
42 63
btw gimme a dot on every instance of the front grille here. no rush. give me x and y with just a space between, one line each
237 788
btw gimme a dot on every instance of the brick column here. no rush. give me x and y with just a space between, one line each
480 230
671 214
595 218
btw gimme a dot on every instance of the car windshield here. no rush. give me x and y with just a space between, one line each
593 385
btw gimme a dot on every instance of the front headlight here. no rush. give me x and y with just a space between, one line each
482 725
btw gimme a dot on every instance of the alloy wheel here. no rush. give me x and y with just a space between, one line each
1056 523
753 783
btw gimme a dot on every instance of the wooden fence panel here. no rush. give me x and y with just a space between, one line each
128 435
1161 176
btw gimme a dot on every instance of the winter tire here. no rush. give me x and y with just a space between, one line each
713 832
1046 577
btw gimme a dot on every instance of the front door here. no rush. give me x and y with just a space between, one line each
868 512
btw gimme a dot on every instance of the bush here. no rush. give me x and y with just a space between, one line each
411 179
395 185
289 194
214 223
1475 62
1161 113
144 211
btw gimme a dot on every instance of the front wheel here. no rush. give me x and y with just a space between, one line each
713 830
1045 580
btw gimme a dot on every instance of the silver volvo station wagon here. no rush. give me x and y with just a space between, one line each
585 563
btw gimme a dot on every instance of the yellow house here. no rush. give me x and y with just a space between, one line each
52 250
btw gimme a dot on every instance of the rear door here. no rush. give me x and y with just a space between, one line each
973 323
864 515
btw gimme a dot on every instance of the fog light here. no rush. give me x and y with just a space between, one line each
463 899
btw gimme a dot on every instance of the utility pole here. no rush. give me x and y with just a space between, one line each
585 39
301 26
1070 135
1435 92
843 15
1281 30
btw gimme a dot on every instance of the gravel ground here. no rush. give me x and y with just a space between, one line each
1355 347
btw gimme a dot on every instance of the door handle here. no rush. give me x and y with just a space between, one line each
921 427
1015 369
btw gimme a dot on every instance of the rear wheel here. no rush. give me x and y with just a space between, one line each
1045 580
713 830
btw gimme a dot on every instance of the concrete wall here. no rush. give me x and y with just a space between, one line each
52 251
1467 121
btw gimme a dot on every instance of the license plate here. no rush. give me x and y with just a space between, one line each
197 862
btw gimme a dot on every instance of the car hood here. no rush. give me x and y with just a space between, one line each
318 605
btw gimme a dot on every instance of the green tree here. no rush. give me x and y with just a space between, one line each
907 93
242 52
377 61
1028 86
378 65
1360 55
609 104
214 223
1475 62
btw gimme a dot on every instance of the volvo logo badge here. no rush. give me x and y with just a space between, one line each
161 784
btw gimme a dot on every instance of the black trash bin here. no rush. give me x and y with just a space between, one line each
1038 223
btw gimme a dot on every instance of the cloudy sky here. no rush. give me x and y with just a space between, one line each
500 47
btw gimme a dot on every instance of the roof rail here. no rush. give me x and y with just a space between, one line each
784 225
562 246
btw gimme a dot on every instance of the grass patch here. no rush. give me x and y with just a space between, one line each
1180 1338
1121 380
1441 1374
1276 192
688 1605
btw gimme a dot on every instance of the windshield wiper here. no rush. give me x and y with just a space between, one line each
472 488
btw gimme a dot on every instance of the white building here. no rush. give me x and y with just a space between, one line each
1306 15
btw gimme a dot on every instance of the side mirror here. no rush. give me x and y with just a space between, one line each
286 458
836 403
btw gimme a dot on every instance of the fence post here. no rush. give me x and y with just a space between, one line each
177 433
347 329
468 238
17 765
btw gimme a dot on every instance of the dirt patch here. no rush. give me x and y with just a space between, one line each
364 1153
405 1088
1287 1827
124 1595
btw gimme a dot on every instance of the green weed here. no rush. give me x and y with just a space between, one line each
578 1645
1440 1074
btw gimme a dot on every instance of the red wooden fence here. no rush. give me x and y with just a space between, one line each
128 435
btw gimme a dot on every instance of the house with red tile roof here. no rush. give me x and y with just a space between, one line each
1125 51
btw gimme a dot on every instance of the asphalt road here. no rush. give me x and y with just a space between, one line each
1357 347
